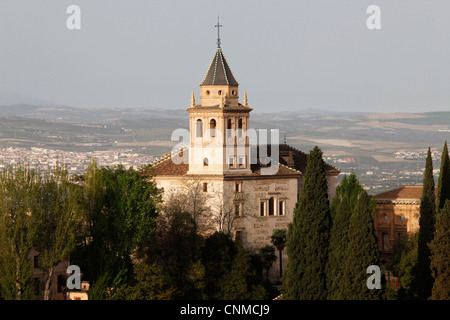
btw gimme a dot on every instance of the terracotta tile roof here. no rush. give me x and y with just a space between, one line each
291 162
296 159
166 167
402 193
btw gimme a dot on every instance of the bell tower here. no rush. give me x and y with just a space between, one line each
219 142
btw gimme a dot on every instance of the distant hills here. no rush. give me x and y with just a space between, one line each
371 135
88 115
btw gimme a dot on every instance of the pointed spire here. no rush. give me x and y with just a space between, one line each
245 99
219 72
192 99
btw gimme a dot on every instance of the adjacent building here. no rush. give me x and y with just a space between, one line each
396 217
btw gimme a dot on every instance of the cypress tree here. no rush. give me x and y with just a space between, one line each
349 187
424 280
440 255
338 244
444 179
362 251
307 239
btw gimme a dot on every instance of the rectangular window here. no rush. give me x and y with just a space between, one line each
281 208
385 238
271 206
205 187
241 161
237 211
238 235
231 161
36 261
262 209
61 282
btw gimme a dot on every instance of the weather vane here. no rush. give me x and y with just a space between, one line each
218 32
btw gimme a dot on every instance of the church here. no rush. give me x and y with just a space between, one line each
250 187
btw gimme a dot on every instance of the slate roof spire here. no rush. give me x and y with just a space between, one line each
219 72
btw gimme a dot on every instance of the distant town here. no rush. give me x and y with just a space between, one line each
375 178
77 162
383 176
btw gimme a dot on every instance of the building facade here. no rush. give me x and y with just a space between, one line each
251 188
396 217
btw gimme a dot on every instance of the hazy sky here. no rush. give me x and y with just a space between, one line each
287 55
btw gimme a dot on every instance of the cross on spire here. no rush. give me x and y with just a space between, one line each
218 32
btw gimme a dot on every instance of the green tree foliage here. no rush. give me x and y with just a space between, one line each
149 283
362 251
308 235
440 255
120 210
426 231
19 229
239 283
403 266
278 239
336 280
268 257
217 256
175 247
349 188
60 219
443 192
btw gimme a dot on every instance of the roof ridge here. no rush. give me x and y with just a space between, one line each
215 66
207 71
293 169
223 66
168 155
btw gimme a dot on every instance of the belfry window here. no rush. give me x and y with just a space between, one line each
240 127
199 128
212 128
241 161
229 127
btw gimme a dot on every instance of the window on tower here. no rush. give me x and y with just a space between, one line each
231 161
237 210
241 161
240 127
199 128
212 128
